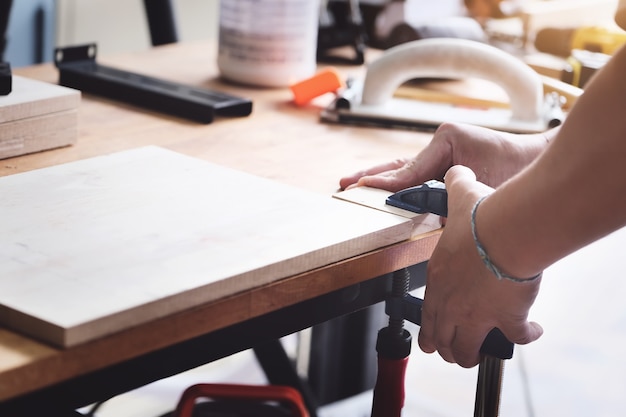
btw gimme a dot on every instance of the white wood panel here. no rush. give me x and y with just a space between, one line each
95 246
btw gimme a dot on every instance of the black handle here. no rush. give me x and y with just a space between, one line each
430 197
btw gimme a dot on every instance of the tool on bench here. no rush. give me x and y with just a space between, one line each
394 342
78 69
372 101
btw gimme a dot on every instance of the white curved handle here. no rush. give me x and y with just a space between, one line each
455 58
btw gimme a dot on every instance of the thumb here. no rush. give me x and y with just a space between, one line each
459 175
527 333
461 181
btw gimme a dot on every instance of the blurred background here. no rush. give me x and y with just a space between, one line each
543 32
576 369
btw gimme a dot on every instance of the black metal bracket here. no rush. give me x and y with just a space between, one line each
78 69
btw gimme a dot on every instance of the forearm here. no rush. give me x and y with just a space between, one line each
574 193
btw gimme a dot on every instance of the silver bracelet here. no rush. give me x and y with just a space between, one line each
482 252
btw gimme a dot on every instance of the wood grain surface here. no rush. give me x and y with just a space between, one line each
100 245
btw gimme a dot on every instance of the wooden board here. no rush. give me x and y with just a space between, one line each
95 246
37 116
34 134
374 198
32 98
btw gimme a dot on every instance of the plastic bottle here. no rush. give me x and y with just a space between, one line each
268 43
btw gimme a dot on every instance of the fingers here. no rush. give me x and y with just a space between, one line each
395 180
400 174
466 345
462 344
353 179
426 337
436 335
455 343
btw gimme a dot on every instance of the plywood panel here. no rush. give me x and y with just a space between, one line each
374 198
99 245
40 133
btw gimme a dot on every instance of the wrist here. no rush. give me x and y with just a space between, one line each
487 260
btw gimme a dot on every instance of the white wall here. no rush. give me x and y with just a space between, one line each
121 26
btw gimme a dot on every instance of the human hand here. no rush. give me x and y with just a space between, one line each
463 299
495 156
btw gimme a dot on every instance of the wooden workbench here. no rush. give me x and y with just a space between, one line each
278 141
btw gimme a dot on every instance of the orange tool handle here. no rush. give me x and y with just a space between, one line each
325 81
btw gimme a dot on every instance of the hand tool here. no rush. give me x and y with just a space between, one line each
562 41
372 101
394 342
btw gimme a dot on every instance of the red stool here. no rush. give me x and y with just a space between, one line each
240 401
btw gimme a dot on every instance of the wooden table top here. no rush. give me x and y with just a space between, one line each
278 141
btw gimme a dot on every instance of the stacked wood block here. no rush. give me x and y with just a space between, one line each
37 116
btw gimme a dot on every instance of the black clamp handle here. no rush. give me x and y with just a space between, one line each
430 197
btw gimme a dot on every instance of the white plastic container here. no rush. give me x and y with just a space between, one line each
268 43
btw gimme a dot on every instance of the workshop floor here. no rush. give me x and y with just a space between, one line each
576 369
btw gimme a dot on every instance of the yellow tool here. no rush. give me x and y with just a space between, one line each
562 41
586 49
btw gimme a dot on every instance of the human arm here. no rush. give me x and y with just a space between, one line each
571 195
